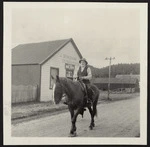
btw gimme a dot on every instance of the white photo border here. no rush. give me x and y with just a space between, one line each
9 140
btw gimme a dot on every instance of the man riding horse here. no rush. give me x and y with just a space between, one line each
84 75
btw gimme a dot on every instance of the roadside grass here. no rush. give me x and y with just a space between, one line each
117 96
31 109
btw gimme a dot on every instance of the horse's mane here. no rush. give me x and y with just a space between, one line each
67 81
70 86
76 84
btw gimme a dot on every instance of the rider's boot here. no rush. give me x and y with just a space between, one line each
87 97
89 102
82 111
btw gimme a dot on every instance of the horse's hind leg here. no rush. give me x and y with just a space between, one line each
92 118
94 112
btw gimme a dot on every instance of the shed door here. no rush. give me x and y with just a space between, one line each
53 72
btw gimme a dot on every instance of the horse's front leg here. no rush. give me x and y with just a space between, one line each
73 120
73 128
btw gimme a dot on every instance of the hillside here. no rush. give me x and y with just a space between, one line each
116 69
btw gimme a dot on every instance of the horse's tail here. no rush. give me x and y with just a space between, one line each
95 109
96 112
95 106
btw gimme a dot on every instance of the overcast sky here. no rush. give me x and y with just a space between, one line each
98 32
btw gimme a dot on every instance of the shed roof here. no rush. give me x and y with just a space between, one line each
38 53
131 76
114 81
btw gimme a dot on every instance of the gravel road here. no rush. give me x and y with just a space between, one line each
115 119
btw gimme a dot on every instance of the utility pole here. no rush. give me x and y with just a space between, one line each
109 74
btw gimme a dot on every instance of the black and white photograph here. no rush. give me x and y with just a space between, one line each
75 73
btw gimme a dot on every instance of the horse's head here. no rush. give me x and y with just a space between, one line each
57 90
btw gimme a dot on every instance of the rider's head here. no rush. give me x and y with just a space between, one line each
83 62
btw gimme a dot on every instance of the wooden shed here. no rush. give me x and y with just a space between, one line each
34 63
128 77
116 83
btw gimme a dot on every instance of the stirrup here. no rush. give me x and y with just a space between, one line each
65 103
89 102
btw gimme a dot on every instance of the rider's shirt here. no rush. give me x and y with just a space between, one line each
84 72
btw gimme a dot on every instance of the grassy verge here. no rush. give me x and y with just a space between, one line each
117 96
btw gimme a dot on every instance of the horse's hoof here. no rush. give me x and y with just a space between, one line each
91 127
73 135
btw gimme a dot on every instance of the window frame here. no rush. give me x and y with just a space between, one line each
71 70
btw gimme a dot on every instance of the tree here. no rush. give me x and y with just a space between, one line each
115 70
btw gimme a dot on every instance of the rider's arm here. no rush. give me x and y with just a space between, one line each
75 76
89 76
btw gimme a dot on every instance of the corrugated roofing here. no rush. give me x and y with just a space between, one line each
37 53
114 81
128 76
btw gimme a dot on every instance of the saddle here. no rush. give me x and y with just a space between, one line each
86 89
88 94
83 87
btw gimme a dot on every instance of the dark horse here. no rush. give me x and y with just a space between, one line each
76 101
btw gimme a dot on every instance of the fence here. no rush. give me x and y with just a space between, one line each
23 93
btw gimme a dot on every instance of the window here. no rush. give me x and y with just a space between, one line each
53 73
69 70
69 73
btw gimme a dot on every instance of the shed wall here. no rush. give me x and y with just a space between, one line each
26 75
113 86
66 55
